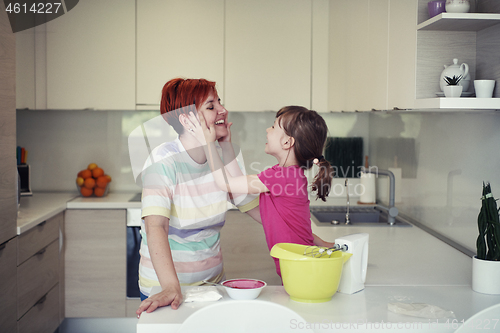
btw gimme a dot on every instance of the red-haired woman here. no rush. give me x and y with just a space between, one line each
183 210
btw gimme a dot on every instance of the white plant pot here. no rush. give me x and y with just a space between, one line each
452 91
486 276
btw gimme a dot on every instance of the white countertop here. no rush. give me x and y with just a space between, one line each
110 201
44 205
40 207
364 311
405 264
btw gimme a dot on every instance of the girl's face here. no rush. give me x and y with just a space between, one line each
276 137
215 114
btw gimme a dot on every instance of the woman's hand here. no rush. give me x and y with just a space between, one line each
201 131
170 296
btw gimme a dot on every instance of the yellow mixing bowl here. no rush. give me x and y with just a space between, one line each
306 278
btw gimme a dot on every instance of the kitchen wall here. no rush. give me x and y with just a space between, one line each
61 143
454 152
444 156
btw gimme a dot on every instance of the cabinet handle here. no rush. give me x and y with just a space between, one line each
41 300
42 251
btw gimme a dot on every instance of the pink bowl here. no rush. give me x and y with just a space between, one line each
243 289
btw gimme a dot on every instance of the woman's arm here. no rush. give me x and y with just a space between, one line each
161 256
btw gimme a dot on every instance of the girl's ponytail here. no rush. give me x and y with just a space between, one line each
323 181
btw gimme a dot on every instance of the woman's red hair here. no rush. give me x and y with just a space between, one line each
179 93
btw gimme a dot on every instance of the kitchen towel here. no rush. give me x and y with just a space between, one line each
367 181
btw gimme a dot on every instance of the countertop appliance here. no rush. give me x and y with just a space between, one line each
354 271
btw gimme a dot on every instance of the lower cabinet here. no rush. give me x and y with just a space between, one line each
8 286
95 263
38 278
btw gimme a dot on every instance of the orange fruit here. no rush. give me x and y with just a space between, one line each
92 166
89 183
80 181
99 192
86 192
86 174
102 181
80 173
97 172
109 178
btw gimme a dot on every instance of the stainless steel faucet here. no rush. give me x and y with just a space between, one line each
392 211
347 219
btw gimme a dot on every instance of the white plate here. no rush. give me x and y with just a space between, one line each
464 94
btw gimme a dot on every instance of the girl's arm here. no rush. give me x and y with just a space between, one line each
228 153
250 184
161 256
319 242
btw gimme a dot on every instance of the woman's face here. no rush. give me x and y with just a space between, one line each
216 114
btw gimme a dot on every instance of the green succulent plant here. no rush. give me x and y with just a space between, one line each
488 241
452 81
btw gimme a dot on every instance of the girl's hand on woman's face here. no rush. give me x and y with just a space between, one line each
227 138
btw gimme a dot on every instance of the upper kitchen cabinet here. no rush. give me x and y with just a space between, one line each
91 56
472 38
178 39
267 54
372 54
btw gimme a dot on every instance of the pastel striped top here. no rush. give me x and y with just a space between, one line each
177 187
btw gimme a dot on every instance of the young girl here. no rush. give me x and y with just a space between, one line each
296 140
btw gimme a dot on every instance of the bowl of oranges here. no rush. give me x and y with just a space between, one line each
93 181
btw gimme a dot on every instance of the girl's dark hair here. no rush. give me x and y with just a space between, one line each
309 131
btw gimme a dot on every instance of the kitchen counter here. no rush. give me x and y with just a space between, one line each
405 264
40 207
44 205
110 201
364 311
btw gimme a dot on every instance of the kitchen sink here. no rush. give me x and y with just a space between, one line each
359 216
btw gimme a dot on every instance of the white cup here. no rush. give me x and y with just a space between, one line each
484 88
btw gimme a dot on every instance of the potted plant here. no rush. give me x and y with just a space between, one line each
452 89
486 264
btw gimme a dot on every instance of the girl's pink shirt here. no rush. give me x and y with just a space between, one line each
284 210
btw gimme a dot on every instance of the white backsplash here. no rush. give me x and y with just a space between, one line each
454 153
444 157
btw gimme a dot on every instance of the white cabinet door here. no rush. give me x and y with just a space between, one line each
91 56
402 54
358 55
268 54
178 39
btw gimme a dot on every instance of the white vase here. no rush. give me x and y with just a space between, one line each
457 6
452 91
485 276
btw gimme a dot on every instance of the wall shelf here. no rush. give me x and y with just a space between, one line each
460 22
458 103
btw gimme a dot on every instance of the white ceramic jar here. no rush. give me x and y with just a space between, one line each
457 6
